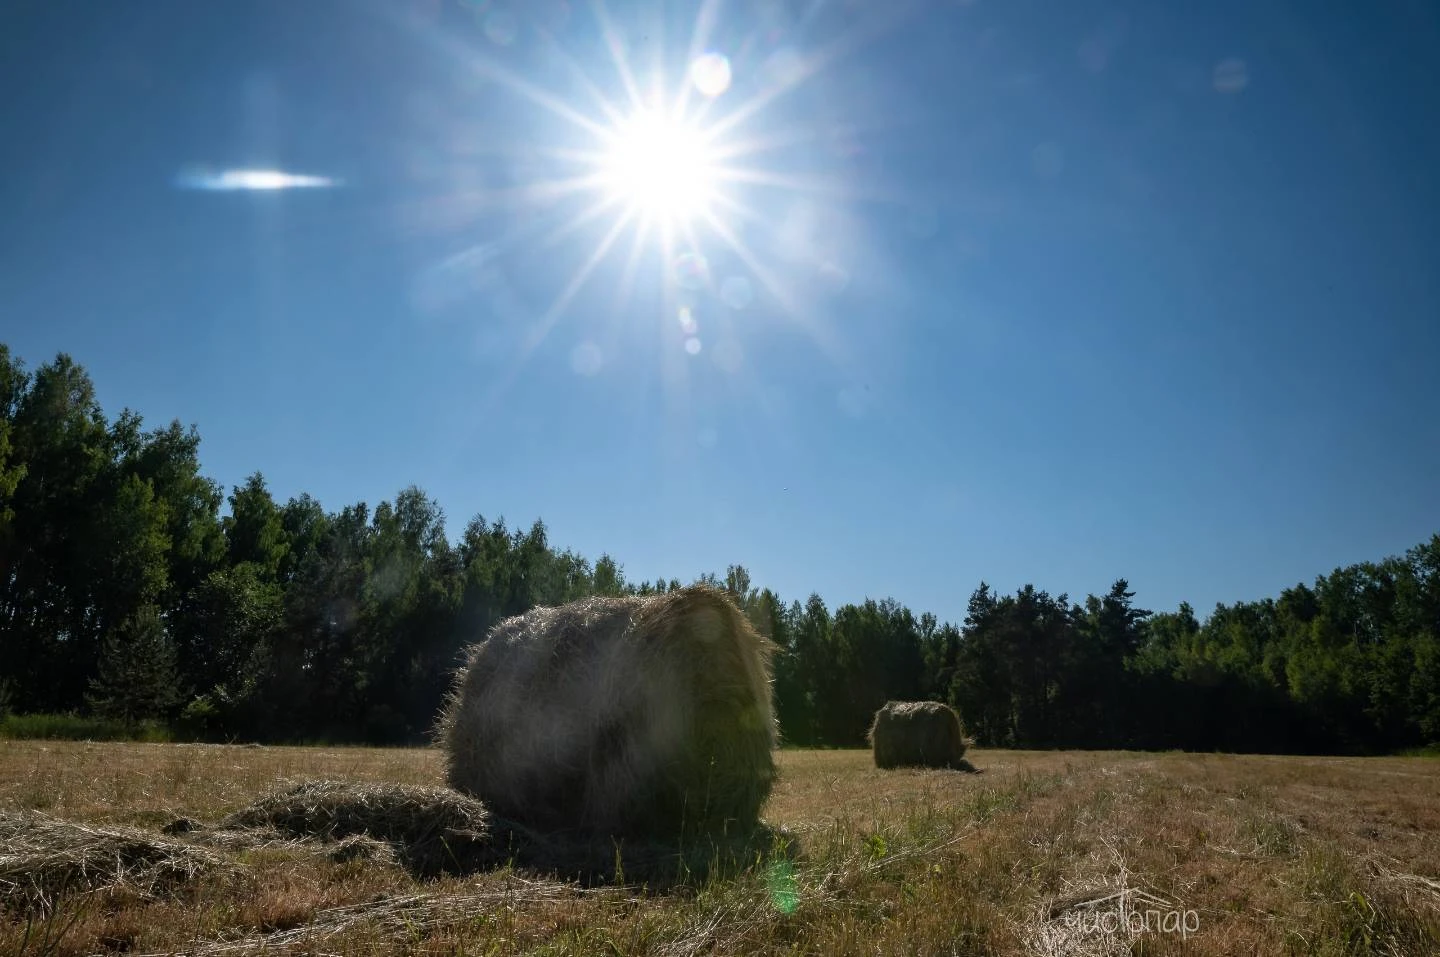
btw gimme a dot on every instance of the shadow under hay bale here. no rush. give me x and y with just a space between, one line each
923 734
43 859
659 864
434 831
635 717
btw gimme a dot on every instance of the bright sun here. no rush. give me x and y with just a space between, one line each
662 168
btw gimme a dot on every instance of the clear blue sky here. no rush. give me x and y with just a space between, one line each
1038 292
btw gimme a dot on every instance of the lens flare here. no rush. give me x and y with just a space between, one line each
711 74
691 270
234 180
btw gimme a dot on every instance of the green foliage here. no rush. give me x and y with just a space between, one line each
73 727
137 677
122 590
254 529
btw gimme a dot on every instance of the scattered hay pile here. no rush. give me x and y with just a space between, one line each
435 830
917 734
646 717
430 829
43 858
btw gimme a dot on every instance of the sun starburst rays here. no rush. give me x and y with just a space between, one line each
677 160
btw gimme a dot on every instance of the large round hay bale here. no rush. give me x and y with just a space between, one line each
621 716
917 734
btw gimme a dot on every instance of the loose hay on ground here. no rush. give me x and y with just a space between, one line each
645 717
359 847
431 829
43 858
435 830
403 918
917 734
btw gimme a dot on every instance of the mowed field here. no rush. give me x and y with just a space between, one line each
1041 853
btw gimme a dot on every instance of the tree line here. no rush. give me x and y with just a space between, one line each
127 591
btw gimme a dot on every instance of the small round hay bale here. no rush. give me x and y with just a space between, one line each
922 734
619 716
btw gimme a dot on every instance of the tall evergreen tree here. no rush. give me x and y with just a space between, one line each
137 677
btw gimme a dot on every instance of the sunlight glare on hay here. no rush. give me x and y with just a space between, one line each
233 180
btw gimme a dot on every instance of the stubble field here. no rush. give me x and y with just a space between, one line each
1041 853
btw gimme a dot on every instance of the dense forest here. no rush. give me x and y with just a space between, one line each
128 592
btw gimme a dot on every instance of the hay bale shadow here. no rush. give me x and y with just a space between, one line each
659 864
43 859
434 831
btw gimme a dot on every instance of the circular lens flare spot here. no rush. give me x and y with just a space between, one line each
692 346
691 270
711 74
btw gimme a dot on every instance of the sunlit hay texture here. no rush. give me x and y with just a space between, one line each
430 829
647 717
917 734
43 859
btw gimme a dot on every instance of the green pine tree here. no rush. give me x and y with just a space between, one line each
137 679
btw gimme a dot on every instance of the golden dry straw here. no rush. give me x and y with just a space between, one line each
917 734
431 829
43 859
434 830
631 716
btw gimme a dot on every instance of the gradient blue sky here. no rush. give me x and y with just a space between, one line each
1042 292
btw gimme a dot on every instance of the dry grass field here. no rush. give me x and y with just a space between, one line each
1042 853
